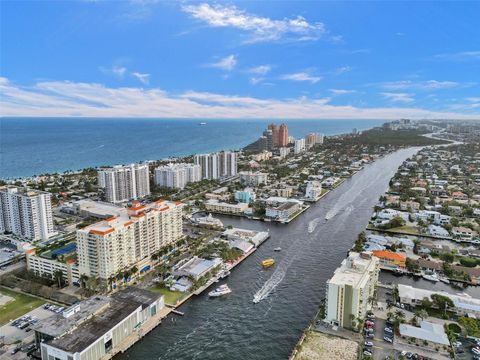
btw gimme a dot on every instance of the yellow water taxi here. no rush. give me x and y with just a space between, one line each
267 263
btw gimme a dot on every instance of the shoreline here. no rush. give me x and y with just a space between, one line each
166 157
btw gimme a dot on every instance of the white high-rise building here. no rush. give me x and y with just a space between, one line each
299 146
319 139
217 165
125 182
26 213
177 175
134 234
350 289
228 163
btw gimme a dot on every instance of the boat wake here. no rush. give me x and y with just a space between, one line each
312 225
269 286
331 214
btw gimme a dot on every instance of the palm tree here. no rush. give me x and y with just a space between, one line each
58 275
422 314
83 280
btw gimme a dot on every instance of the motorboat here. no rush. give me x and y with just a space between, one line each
220 291
277 249
268 263
432 276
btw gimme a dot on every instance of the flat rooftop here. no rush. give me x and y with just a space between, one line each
119 306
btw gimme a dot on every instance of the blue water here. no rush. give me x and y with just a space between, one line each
33 146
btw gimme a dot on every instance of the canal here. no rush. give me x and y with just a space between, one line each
233 327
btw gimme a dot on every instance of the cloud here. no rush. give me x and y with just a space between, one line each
398 97
257 28
117 71
301 76
65 98
341 91
459 56
143 78
228 63
260 70
343 70
419 85
474 99
256 80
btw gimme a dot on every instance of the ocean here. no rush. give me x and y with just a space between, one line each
34 146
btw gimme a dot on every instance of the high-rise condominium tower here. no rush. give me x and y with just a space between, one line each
125 182
26 213
283 136
217 165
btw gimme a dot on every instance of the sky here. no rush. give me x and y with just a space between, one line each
245 59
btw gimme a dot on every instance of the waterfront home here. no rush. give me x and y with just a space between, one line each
438 231
473 273
390 260
462 233
389 214
196 267
183 284
252 236
409 206
432 216
429 265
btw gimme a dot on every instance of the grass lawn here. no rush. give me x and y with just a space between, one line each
19 306
405 229
171 297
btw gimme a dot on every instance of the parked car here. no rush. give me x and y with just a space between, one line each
367 353
370 336
457 343
388 330
476 351
368 343
388 339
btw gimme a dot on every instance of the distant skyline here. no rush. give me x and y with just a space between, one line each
240 59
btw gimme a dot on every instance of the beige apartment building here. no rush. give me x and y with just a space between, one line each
118 243
350 289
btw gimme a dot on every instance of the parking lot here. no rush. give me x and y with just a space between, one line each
374 334
20 330
464 351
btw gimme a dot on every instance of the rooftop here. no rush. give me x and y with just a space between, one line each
427 331
118 306
354 270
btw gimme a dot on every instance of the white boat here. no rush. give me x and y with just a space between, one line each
202 123
224 274
220 291
445 280
277 249
431 277
256 299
